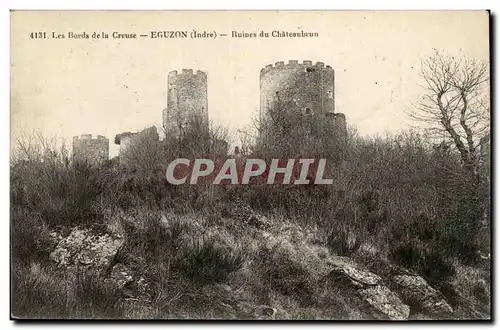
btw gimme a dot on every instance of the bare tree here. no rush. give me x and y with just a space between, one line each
197 136
246 138
455 104
287 131
33 146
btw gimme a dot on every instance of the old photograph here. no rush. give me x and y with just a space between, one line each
250 165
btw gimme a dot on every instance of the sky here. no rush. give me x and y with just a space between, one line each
67 87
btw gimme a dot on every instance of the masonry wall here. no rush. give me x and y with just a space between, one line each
304 87
85 148
128 142
187 95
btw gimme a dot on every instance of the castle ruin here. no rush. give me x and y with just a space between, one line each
131 143
304 88
95 151
187 96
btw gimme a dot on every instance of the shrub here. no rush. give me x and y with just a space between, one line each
62 194
44 292
423 228
280 272
432 263
343 242
29 236
152 243
95 298
457 233
437 266
36 295
409 255
207 262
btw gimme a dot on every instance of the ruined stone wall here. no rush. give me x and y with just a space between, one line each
340 124
187 95
128 142
89 149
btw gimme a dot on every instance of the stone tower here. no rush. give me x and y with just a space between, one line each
305 88
85 148
187 96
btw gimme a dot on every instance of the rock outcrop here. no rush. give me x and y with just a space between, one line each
423 298
84 248
396 295
381 302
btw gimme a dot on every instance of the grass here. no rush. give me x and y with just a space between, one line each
41 291
414 205
208 263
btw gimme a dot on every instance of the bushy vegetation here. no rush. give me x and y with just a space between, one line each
208 263
411 200
41 291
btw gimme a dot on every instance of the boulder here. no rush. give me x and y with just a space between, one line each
84 248
381 302
384 304
416 292
354 276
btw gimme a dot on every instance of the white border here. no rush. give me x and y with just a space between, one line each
255 4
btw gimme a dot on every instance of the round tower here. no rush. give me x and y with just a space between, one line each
187 96
304 87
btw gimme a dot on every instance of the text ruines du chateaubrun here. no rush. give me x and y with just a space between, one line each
178 34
